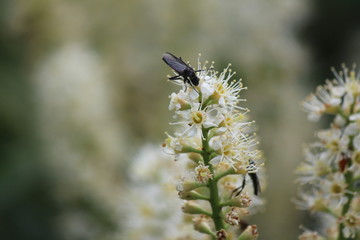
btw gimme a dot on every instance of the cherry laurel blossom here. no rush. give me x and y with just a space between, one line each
214 134
329 177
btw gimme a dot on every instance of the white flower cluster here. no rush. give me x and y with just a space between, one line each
213 107
151 209
338 96
212 131
330 175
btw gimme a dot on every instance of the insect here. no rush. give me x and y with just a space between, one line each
254 178
184 71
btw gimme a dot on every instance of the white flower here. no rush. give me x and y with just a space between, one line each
348 80
206 89
231 149
203 173
178 145
179 101
335 95
354 117
333 140
352 128
356 142
314 107
313 201
323 101
316 166
352 224
222 91
335 185
172 145
355 163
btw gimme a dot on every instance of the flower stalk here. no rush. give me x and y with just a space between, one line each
212 185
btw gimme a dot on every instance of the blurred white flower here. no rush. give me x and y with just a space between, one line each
331 169
81 137
351 222
336 97
152 207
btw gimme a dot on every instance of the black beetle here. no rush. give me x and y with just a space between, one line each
184 71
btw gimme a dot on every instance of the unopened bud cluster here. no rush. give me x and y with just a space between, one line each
330 175
213 133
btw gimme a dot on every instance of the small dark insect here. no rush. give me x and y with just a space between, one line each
255 180
344 162
184 71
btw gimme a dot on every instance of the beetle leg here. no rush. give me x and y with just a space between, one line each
177 77
203 70
238 190
192 85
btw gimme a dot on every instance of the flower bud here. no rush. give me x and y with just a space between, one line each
195 157
250 233
201 224
187 186
221 234
242 201
232 217
192 195
192 208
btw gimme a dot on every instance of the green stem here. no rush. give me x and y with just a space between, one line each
206 213
349 181
346 207
212 185
195 195
225 204
208 102
223 174
343 114
189 149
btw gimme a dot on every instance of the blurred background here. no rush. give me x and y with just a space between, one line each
83 89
